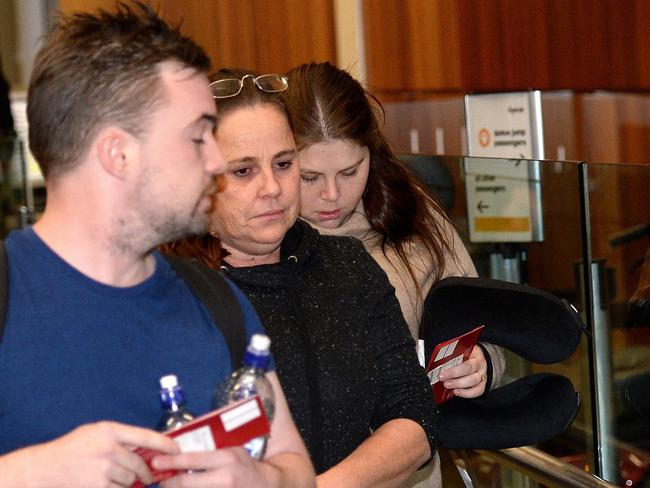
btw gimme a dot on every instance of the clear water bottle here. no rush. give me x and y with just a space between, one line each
172 400
251 380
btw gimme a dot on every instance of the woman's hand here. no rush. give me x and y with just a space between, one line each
222 468
469 378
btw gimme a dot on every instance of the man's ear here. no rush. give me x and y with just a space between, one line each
117 150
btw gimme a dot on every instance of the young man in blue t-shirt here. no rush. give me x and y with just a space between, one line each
121 122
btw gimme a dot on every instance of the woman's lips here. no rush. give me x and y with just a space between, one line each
333 215
272 214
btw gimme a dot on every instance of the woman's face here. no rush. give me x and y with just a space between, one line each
333 178
260 198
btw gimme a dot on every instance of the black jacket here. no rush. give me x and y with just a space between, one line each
343 352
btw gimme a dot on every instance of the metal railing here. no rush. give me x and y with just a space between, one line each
544 468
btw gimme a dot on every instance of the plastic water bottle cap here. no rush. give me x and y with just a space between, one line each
261 342
169 381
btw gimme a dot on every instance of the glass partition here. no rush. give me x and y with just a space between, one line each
618 221
551 262
600 215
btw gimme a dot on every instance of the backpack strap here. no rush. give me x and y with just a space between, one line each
211 288
4 287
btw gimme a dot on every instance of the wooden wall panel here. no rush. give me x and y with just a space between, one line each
481 44
67 6
412 45
623 69
533 44
436 59
257 34
387 50
641 43
496 45
419 47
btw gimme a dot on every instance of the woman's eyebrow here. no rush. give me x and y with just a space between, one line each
245 159
286 152
311 171
352 166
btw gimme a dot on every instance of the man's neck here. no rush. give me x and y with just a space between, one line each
90 248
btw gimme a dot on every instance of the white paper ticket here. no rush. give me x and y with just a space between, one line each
435 372
197 440
241 415
448 350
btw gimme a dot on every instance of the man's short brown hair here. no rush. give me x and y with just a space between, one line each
99 69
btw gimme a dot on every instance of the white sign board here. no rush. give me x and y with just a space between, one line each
504 195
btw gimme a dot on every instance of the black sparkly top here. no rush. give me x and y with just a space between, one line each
343 352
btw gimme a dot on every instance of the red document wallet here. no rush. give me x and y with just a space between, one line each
230 426
447 355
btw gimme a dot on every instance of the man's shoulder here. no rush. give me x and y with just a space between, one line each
226 304
19 240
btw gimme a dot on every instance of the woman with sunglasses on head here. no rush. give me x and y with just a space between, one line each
342 349
354 185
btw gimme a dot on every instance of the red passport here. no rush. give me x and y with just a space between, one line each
230 426
447 355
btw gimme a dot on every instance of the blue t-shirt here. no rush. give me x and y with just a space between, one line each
76 351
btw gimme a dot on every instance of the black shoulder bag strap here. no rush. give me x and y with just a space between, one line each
211 288
4 288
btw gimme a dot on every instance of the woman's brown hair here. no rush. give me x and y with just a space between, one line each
325 104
